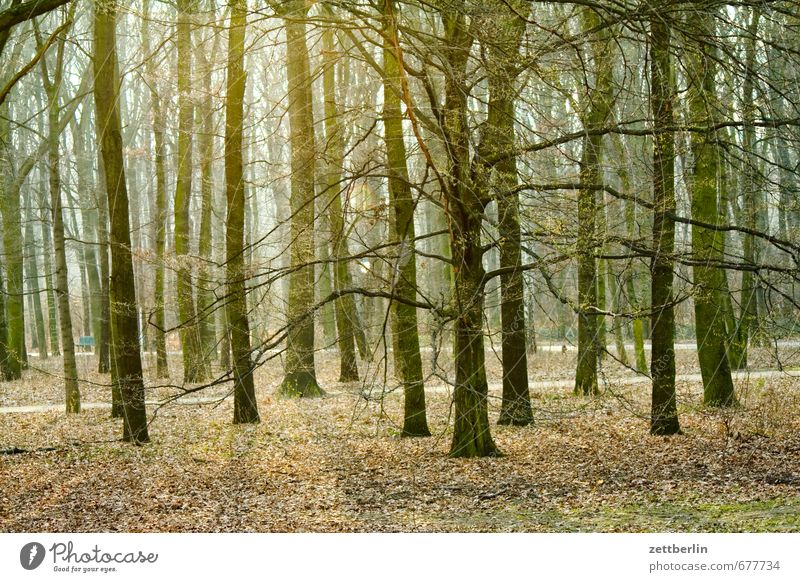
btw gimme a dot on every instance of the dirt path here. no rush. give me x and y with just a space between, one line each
436 389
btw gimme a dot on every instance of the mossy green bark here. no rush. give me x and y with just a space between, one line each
14 341
663 411
596 112
407 358
300 378
345 312
195 367
245 408
466 209
707 242
507 27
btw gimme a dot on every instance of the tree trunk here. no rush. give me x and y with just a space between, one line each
13 247
122 293
104 341
194 365
32 269
706 243
160 218
600 99
616 306
752 204
407 358
245 408
503 53
52 88
47 265
300 379
466 209
664 413
345 306
205 295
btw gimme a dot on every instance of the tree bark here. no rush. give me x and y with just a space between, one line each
13 247
664 413
194 364
600 100
52 88
466 209
245 408
127 360
706 243
507 28
300 379
205 295
407 358
32 269
160 218
345 306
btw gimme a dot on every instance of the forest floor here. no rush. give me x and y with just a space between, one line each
337 464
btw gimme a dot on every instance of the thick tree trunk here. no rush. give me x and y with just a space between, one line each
3 326
407 358
466 209
300 379
664 413
707 243
245 408
13 247
124 325
471 434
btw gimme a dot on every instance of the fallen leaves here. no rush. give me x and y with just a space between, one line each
336 464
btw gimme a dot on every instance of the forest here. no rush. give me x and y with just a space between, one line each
399 265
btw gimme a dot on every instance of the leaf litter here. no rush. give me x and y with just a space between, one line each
337 464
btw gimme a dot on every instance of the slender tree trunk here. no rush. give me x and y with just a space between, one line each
616 306
49 292
300 379
345 306
104 341
194 365
205 295
160 218
664 412
89 221
407 358
52 87
598 109
751 203
504 50
637 323
33 278
245 408
127 355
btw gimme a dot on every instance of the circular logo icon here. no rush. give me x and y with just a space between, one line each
31 555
